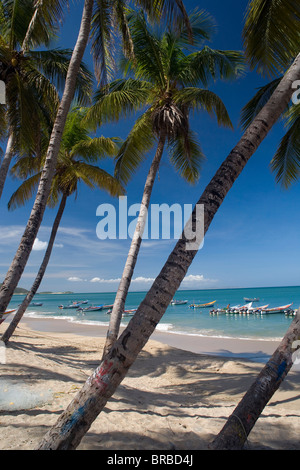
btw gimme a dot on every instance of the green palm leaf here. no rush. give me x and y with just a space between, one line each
253 107
96 177
25 192
271 34
54 65
135 148
204 100
186 156
92 150
120 98
286 162
209 64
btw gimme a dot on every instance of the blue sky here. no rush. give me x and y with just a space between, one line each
253 240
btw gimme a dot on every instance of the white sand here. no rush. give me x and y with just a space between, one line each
171 398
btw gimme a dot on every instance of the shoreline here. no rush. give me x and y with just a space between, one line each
171 399
251 349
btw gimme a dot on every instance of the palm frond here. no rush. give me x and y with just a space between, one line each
120 98
204 100
147 64
254 106
103 41
202 26
95 176
209 65
286 162
271 34
54 64
47 16
91 150
186 156
24 192
135 148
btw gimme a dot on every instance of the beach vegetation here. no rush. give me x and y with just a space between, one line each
166 81
32 74
101 385
99 21
77 162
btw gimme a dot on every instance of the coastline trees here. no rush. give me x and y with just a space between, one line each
76 162
98 15
31 96
77 418
167 84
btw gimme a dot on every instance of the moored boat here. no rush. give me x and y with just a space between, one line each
178 302
5 315
96 308
125 313
255 299
207 305
282 309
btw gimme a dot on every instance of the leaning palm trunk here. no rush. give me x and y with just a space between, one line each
4 167
101 385
240 423
19 262
119 303
23 307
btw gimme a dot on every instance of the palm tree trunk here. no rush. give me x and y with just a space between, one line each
239 424
101 385
6 162
119 303
19 262
23 307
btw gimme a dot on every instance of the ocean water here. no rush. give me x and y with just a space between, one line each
180 318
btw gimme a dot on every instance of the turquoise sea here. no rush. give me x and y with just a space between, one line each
181 318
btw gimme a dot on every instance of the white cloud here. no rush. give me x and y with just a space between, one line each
102 281
58 245
107 281
39 245
75 279
143 279
194 278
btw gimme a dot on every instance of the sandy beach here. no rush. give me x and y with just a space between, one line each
177 395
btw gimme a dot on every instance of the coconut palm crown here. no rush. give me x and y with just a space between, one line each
163 82
77 160
271 37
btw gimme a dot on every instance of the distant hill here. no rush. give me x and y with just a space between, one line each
19 290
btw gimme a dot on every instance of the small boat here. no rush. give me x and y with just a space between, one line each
290 312
105 307
97 308
257 309
207 305
36 304
126 313
281 309
73 305
5 315
246 299
178 302
129 313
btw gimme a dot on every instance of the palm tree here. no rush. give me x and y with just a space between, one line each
101 385
31 96
166 84
77 156
101 19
